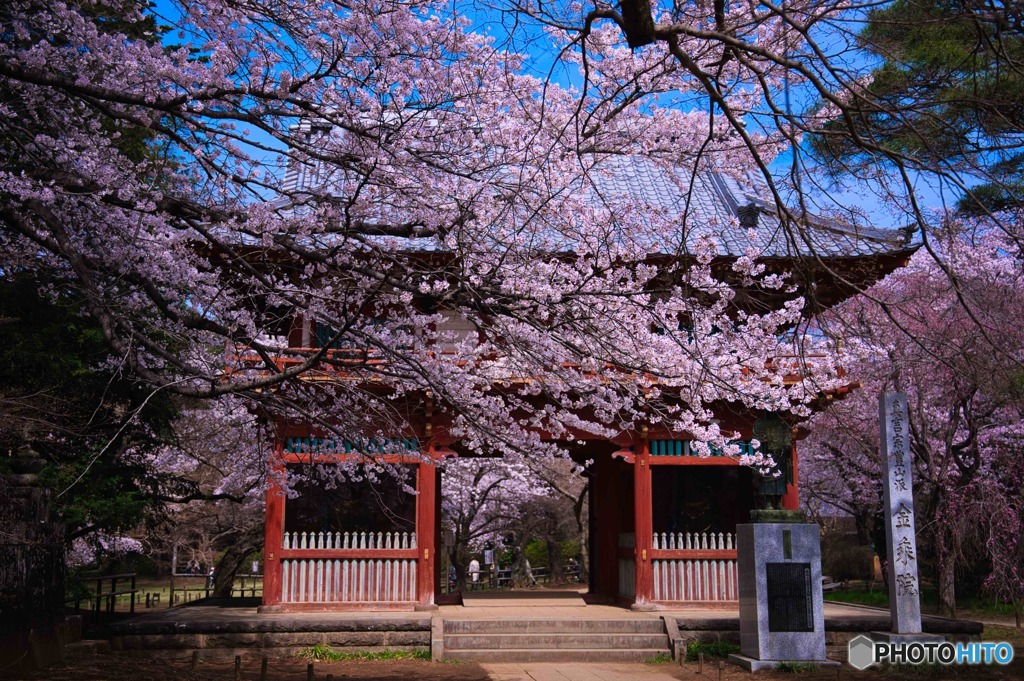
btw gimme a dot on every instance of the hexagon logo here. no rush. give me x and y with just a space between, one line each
861 652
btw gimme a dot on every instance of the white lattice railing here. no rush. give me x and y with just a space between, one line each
347 581
695 580
349 540
694 541
708 573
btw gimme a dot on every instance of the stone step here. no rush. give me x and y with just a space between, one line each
573 641
556 655
555 626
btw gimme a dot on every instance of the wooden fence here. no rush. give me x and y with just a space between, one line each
348 567
695 567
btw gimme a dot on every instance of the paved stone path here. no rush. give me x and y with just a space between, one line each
582 671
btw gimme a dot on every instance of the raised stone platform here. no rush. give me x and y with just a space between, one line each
221 630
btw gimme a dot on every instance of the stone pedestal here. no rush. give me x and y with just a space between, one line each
781 618
890 637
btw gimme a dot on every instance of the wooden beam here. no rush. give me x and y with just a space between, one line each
693 461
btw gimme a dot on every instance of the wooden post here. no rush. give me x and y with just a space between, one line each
427 478
791 500
195 660
263 669
238 668
273 536
644 524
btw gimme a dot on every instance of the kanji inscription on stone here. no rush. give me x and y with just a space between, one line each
790 605
904 597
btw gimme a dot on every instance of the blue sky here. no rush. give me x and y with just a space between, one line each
542 63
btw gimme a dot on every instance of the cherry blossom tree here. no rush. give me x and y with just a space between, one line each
368 168
913 332
482 500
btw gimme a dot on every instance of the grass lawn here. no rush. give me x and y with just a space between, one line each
967 606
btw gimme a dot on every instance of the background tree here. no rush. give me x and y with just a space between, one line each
96 427
912 333
948 93
481 502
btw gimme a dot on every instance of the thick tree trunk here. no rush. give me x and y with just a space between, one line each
459 558
555 563
863 523
583 533
231 562
583 577
945 565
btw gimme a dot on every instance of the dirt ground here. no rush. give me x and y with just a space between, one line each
110 668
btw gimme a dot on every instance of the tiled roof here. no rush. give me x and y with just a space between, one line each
712 204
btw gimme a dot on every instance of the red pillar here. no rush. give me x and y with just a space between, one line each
644 525
791 500
426 531
273 536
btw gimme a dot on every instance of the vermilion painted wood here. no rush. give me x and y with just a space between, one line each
437 533
349 554
691 554
426 529
693 461
290 457
644 521
791 500
273 536
335 606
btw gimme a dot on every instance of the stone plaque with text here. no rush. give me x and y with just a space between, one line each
898 492
790 601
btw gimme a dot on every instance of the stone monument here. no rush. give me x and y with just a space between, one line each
900 540
781 618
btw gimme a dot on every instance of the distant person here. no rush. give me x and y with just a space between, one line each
255 567
474 572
